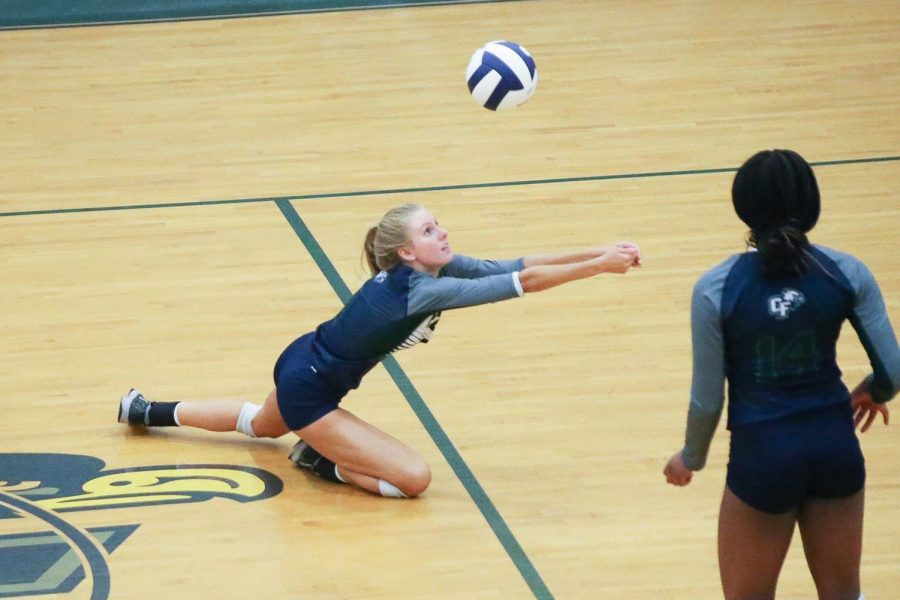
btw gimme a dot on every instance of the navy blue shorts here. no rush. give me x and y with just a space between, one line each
303 396
773 466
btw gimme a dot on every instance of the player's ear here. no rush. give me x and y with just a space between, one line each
406 254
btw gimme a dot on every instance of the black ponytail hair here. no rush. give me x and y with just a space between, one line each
775 193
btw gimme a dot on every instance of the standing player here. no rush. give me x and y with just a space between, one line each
415 276
768 321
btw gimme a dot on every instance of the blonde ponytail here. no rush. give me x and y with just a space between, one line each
369 250
385 239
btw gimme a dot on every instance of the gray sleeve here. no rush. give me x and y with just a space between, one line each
466 267
870 320
708 380
429 294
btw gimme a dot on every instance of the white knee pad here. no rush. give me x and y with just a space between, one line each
245 419
389 491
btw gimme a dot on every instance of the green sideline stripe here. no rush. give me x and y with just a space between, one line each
416 190
32 14
434 429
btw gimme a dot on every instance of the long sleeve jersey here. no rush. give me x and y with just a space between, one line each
774 341
399 308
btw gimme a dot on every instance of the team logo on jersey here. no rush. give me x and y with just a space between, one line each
422 333
782 305
47 554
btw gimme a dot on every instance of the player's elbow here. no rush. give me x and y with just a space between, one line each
534 281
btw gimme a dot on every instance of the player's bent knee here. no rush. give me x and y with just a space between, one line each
416 478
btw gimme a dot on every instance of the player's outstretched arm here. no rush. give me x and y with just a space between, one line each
541 277
576 256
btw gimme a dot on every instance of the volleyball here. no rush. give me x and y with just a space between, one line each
501 75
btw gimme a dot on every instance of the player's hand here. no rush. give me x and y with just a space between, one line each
633 246
866 409
676 473
619 259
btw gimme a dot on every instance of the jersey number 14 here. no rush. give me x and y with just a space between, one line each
779 359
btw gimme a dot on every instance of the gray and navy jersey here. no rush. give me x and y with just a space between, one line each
774 341
399 308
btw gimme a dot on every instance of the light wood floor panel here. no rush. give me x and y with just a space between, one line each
565 404
197 303
377 99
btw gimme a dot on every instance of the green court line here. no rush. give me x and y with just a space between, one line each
431 424
56 14
416 190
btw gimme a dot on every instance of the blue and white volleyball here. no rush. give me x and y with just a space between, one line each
501 75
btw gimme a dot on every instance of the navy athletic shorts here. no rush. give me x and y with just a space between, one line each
774 465
303 396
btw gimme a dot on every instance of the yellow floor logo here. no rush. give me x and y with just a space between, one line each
59 558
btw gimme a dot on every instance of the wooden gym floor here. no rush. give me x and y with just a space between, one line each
178 201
